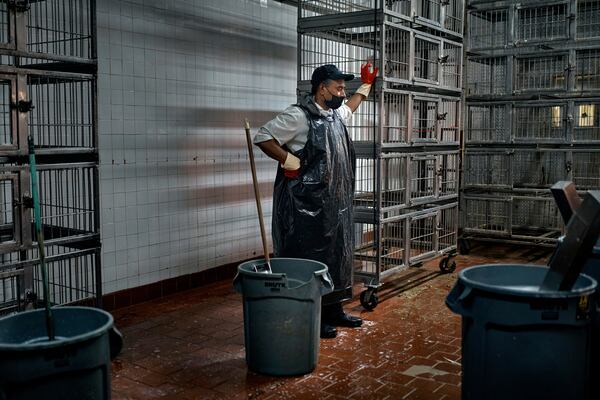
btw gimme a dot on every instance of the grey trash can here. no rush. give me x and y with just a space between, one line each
76 365
519 342
282 314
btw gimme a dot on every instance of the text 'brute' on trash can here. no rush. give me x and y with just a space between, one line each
282 314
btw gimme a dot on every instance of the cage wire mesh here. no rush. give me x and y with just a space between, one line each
587 75
6 126
486 76
488 28
454 15
8 232
487 123
397 53
447 232
71 279
449 120
547 22
395 117
314 8
486 215
392 244
451 62
424 120
10 290
428 9
539 169
588 19
347 48
586 169
423 231
535 217
67 200
422 177
393 182
448 174
587 122
4 23
489 169
540 123
63 113
60 27
427 54
540 73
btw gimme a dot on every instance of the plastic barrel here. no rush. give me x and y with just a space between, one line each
282 314
519 342
74 366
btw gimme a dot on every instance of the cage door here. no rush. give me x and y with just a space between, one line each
7 25
8 107
10 220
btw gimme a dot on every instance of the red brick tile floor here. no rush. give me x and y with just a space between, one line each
190 345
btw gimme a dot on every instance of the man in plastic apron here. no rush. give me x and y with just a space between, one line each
312 198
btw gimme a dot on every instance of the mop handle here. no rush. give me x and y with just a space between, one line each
256 191
40 237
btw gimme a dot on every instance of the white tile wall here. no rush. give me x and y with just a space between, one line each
176 79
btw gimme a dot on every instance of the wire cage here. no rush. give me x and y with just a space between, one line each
425 117
544 22
588 19
10 230
395 117
397 53
486 76
63 117
586 169
451 62
450 120
488 28
487 169
447 228
427 58
546 72
539 168
393 183
540 123
62 28
453 20
67 201
379 249
587 76
316 8
347 48
60 117
486 215
73 277
423 177
423 236
488 123
429 9
535 218
587 122
447 170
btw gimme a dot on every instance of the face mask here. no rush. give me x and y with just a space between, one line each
335 102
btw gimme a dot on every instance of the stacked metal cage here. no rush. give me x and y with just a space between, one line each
48 91
407 132
532 87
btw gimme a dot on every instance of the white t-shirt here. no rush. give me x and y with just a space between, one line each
290 128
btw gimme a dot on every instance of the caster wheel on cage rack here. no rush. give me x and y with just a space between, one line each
446 266
369 299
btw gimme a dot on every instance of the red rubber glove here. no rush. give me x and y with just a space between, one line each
366 76
291 174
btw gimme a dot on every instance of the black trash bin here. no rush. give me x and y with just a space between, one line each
519 342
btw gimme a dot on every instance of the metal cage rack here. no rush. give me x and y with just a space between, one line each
48 92
406 134
531 114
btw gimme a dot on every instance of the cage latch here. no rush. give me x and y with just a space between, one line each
443 59
445 2
24 105
26 201
568 166
442 116
20 5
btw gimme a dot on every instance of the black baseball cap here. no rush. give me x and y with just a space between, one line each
328 71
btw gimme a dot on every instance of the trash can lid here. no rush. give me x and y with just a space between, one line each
520 280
